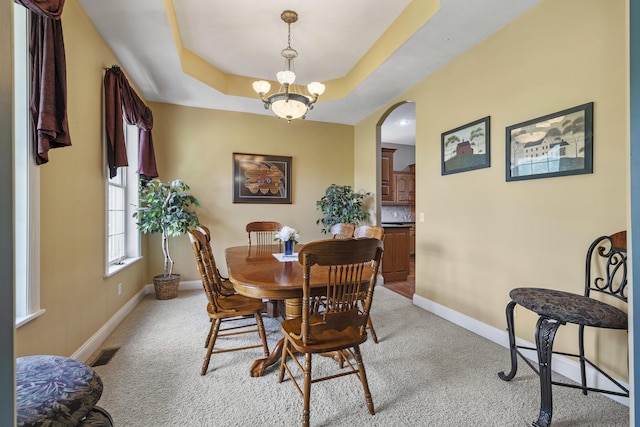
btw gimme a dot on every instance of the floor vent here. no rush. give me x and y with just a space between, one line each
105 356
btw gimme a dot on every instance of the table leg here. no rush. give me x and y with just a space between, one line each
258 367
545 333
512 344
292 310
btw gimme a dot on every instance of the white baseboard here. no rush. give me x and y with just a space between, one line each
93 344
561 364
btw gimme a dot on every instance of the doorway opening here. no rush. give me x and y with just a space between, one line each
396 195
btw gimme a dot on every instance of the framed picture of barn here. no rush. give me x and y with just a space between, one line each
466 147
557 144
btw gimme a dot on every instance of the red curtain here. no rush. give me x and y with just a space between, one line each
48 104
122 101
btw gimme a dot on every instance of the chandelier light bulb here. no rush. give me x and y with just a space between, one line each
315 88
286 77
261 86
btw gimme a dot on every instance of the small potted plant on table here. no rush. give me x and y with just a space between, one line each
166 208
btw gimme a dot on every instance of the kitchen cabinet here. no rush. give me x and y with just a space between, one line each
412 240
395 260
386 176
405 188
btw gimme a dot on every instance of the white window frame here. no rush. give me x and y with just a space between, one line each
132 236
26 181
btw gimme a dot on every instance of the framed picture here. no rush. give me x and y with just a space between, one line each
557 144
466 148
260 178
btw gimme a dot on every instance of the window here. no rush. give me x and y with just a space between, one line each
26 182
123 239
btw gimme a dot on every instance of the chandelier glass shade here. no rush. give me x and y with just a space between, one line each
288 103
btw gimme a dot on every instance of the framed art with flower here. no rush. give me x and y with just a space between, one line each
261 178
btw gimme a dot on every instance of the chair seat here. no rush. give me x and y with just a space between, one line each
568 307
54 390
326 341
238 304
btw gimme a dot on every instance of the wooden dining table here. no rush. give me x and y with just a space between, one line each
255 272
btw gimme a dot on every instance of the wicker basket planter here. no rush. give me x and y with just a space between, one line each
166 287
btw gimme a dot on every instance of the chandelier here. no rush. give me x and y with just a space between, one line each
289 103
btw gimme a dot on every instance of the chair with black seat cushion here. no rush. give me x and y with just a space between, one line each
262 232
222 307
342 230
605 275
338 325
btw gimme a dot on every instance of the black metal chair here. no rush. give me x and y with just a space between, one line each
605 273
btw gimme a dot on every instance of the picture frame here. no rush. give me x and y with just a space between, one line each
261 178
558 144
467 147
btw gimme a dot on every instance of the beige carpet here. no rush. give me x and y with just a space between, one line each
424 372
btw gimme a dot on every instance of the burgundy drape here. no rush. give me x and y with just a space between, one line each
119 97
48 103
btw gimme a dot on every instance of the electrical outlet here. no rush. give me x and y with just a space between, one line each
119 288
421 216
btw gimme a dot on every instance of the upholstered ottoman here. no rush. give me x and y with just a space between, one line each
58 391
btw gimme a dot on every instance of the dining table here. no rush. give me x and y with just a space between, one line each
262 271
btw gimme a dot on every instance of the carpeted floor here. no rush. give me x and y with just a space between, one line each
425 371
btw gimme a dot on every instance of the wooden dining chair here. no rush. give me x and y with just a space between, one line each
263 232
342 230
226 287
222 307
339 325
374 232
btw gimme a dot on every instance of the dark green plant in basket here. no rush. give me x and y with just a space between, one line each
166 208
341 204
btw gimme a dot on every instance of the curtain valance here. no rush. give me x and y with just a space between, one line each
122 101
48 104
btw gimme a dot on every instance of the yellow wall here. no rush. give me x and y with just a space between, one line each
197 146
77 298
483 236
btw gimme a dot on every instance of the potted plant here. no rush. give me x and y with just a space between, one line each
341 204
166 208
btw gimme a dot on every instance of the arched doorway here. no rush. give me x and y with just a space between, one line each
395 196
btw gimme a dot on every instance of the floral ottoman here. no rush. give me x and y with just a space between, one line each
58 391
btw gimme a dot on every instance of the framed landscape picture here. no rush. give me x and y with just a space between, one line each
557 144
261 178
466 147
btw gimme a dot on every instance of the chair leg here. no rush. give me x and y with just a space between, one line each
363 379
263 335
283 359
583 368
373 331
307 390
512 344
212 341
206 342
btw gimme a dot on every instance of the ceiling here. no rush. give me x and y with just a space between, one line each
206 53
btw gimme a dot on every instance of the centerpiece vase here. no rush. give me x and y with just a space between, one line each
288 247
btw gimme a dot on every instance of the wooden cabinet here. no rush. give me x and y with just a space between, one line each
412 240
405 188
395 261
386 175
